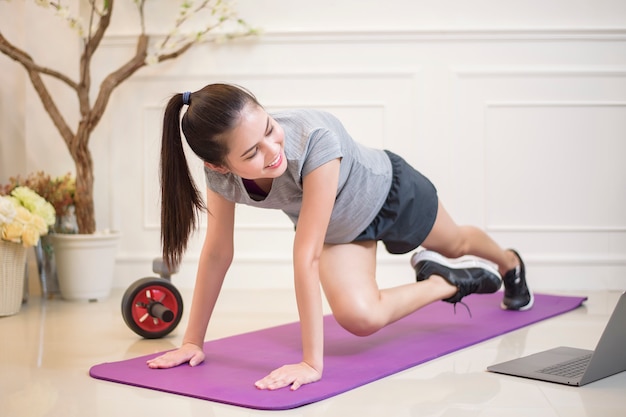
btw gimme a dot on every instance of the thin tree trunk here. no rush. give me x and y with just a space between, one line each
84 204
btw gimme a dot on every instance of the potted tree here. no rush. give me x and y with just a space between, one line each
220 21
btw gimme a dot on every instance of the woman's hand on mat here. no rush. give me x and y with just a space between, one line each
295 375
188 352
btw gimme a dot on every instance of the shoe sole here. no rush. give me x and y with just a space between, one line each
465 262
528 306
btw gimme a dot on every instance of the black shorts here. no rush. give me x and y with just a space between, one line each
409 212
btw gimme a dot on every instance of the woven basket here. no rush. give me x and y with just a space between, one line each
12 264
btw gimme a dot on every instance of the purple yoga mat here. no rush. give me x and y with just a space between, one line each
234 363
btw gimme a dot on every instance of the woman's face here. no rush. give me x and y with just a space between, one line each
256 146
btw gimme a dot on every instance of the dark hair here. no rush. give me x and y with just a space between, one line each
213 111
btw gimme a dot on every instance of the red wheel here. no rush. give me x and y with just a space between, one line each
152 307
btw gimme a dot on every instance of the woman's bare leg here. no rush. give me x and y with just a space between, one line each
348 276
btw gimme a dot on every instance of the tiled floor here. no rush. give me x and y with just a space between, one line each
47 349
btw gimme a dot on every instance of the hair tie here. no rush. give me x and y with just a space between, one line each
186 97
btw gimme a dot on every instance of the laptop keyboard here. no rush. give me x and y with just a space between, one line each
571 368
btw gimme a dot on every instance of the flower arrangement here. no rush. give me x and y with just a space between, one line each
59 192
25 216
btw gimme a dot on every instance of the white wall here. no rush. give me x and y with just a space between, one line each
516 110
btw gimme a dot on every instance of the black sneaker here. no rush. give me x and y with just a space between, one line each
469 275
517 296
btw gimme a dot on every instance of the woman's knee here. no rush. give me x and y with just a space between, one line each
360 321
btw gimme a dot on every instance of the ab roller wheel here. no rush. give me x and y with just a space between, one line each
152 307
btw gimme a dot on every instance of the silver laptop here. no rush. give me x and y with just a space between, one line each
571 366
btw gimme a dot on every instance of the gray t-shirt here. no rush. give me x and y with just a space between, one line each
313 138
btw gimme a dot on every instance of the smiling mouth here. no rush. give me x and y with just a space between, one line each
276 161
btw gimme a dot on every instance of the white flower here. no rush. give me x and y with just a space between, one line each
152 59
64 12
7 210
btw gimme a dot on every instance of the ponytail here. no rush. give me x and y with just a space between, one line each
180 199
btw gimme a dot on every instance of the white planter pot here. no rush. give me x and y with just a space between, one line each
85 264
